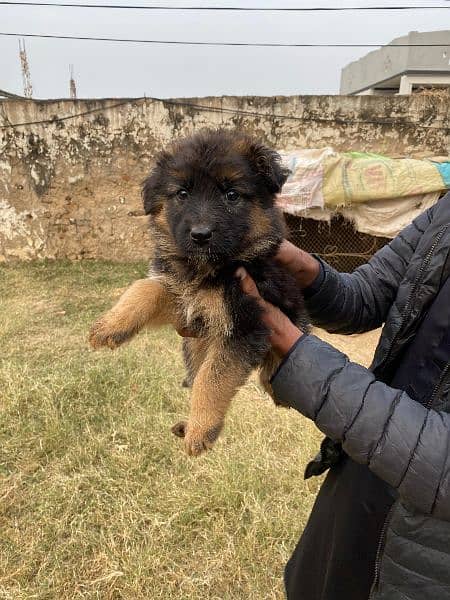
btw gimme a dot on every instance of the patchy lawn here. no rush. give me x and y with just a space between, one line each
97 499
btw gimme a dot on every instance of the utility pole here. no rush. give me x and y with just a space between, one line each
72 84
26 77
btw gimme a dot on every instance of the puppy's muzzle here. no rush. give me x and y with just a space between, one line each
201 234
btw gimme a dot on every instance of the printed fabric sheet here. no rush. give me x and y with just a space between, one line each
378 193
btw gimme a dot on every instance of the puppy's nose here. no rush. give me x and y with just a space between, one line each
201 234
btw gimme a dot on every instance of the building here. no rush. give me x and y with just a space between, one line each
401 70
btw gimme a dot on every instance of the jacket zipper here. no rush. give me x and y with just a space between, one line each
444 377
438 387
436 390
417 282
380 548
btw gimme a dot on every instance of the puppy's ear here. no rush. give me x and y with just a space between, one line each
268 165
152 187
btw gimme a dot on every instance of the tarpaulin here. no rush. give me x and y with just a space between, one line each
379 194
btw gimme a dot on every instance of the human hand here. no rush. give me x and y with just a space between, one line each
283 333
304 267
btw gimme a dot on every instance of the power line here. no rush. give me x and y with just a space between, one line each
222 110
228 8
197 43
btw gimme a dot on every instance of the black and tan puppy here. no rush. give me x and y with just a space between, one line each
211 204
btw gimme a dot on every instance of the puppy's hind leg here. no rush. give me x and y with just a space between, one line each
194 353
216 383
146 302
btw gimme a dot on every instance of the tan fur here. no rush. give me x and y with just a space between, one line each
181 298
161 220
210 305
146 302
258 241
215 384
268 368
218 375
261 223
198 347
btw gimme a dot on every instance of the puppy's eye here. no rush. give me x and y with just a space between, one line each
232 195
182 194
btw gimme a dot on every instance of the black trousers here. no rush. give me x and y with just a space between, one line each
335 557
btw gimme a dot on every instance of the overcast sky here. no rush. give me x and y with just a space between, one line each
116 69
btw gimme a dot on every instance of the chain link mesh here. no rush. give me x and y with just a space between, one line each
337 242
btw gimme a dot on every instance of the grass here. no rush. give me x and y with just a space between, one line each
97 499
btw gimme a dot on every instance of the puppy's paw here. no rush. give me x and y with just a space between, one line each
198 438
108 332
179 429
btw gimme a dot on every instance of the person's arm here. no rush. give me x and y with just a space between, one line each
360 301
401 441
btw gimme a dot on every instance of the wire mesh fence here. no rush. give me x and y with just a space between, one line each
337 242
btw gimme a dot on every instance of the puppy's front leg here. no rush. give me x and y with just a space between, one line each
214 386
145 302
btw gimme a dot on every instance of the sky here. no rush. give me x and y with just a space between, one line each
105 69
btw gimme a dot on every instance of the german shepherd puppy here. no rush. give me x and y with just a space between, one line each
211 204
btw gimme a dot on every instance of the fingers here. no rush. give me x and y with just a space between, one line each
247 284
287 247
287 253
303 266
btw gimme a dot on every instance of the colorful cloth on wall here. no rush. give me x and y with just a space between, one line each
444 170
379 194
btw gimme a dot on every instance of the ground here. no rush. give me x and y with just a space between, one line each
97 499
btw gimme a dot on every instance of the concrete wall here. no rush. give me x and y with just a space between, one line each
389 63
71 188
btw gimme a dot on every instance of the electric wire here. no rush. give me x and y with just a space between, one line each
200 43
228 8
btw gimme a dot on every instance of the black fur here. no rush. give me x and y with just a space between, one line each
224 182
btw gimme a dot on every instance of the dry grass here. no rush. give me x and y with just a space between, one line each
97 499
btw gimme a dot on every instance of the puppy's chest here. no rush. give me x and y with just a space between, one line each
206 309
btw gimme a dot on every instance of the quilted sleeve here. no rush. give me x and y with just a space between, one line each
397 438
360 301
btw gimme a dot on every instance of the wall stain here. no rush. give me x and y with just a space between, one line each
71 189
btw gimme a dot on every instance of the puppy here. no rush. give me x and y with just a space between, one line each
210 199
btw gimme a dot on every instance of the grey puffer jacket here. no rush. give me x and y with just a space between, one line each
404 443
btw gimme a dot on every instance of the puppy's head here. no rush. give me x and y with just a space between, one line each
213 195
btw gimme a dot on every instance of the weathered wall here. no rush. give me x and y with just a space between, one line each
70 188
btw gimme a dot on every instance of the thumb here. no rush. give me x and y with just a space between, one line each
247 284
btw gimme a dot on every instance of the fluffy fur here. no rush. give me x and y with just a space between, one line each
210 199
